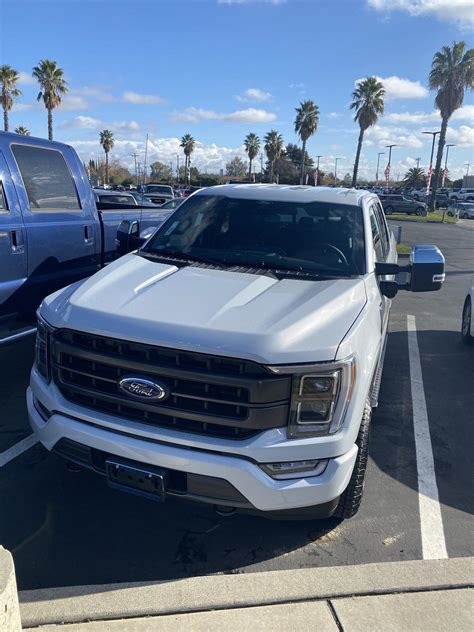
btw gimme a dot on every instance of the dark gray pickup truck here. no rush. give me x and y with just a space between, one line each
52 231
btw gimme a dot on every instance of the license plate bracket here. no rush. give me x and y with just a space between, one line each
140 480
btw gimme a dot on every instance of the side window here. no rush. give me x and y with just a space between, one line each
376 237
384 234
3 201
48 182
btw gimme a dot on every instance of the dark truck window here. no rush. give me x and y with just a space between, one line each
306 237
47 179
3 202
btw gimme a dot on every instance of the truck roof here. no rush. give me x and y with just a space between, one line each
289 193
12 137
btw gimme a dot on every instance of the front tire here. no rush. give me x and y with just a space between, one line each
419 211
465 216
351 497
466 322
389 210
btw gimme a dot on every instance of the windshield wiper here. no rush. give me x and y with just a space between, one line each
177 255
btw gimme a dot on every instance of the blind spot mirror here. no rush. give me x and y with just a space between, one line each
426 269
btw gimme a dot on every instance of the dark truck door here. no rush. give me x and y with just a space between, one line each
63 236
13 245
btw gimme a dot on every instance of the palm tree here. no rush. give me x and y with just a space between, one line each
252 147
23 131
414 177
52 86
368 104
107 142
306 124
452 70
8 79
187 143
273 148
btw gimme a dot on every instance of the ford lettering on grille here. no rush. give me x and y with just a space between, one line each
143 389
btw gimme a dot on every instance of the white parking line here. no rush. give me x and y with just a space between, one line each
17 449
432 531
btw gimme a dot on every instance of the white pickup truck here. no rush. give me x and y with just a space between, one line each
234 359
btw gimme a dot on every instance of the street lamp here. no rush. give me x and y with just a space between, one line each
467 165
317 172
445 172
381 153
430 168
335 170
388 167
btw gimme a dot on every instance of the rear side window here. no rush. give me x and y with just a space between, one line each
48 182
3 202
376 236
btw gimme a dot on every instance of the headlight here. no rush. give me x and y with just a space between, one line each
42 348
320 396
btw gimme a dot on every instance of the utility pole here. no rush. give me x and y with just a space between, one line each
317 172
467 165
335 170
417 162
177 168
389 166
135 156
430 168
445 172
381 153
261 163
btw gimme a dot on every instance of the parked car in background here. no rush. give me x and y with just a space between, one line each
53 229
465 210
141 198
463 195
236 358
172 204
467 326
394 203
158 193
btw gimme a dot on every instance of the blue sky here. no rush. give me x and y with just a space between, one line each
222 68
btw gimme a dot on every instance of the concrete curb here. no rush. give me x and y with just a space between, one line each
9 607
220 592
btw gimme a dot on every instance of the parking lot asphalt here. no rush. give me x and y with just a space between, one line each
67 528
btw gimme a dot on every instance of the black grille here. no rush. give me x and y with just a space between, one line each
208 394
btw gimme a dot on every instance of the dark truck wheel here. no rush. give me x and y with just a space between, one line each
420 211
388 210
351 498
466 322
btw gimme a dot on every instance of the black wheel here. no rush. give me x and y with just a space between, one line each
388 210
465 216
419 211
351 498
451 214
466 322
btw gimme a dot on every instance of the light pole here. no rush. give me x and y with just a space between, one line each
135 156
417 162
430 168
389 165
317 172
335 170
467 165
381 153
177 168
445 172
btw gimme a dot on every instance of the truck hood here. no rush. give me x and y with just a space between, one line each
212 311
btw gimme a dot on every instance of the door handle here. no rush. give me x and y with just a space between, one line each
88 235
17 245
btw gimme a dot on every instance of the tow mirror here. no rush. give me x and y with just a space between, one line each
424 273
128 237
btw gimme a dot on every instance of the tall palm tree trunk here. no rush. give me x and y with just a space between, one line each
5 119
250 169
302 162
50 124
271 171
439 157
106 167
357 157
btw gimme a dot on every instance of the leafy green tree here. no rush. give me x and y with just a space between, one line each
8 78
273 148
306 124
161 172
294 153
52 87
452 71
252 147
368 103
107 142
187 143
414 177
23 131
236 168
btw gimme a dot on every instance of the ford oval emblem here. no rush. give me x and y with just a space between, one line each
146 390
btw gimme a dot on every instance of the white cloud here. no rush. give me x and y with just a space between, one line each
463 136
71 103
394 135
465 113
26 79
398 88
82 122
273 2
254 94
124 125
100 93
141 99
458 11
333 115
249 115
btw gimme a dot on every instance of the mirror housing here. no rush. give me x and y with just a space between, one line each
426 269
128 236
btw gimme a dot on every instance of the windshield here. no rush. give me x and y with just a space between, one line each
152 188
302 237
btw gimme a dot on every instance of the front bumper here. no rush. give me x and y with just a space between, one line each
239 469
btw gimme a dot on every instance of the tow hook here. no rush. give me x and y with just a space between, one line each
223 510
